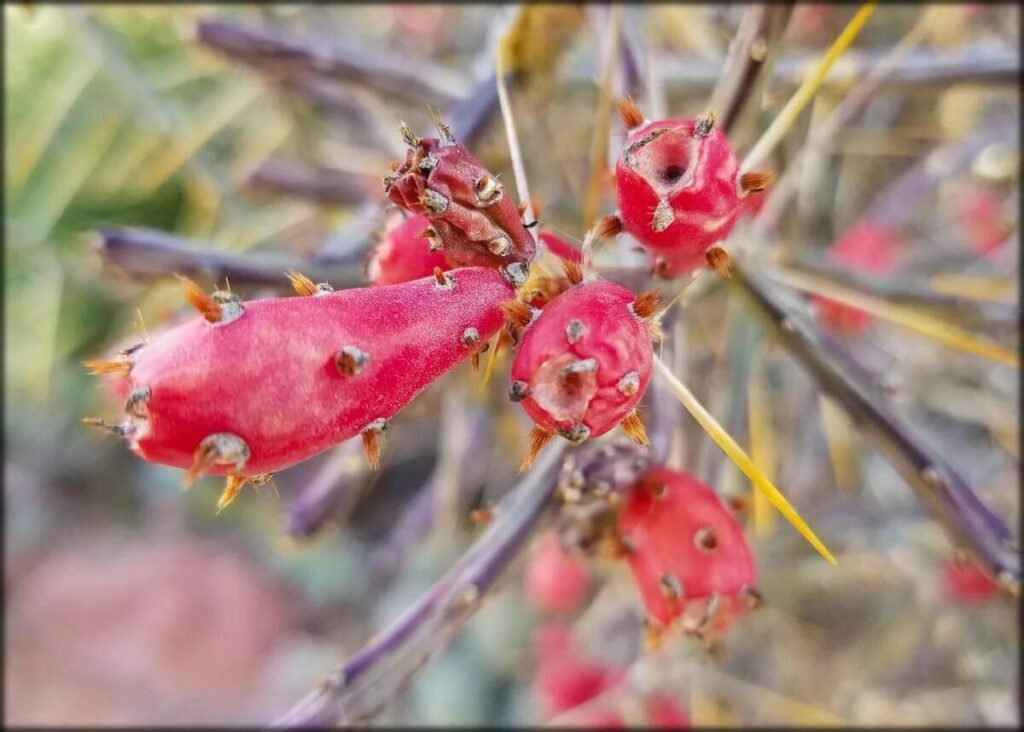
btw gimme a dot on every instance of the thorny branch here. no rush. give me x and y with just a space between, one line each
361 687
145 253
939 485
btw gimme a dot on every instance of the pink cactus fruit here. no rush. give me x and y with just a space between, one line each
663 711
584 362
686 553
867 247
565 679
679 189
560 247
983 218
403 253
250 389
965 583
472 219
555 582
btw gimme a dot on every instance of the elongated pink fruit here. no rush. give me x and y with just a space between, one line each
249 389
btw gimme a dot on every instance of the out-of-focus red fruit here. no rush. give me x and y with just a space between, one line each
983 218
403 254
664 711
599 717
686 551
551 639
565 681
555 582
585 361
560 247
870 248
964 582
679 189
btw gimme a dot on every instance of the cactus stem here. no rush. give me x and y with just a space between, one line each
633 426
538 439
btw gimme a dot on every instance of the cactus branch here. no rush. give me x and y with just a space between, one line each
363 686
939 485
147 253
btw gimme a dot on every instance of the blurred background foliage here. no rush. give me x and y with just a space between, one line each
130 601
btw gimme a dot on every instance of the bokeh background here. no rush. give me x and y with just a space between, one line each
128 601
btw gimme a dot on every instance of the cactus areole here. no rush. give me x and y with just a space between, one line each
584 363
686 550
679 190
472 218
260 386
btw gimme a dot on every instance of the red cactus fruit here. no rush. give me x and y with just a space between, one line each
582 367
679 188
403 253
686 553
555 581
471 216
560 247
247 390
983 218
664 711
965 583
565 680
867 247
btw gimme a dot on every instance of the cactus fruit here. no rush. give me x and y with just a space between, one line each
680 190
867 247
554 581
965 583
686 552
584 363
250 389
560 247
404 253
983 218
472 218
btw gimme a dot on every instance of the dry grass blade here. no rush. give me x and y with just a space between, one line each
514 151
735 453
909 318
785 119
762 447
602 117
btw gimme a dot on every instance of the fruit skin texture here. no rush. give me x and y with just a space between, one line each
663 519
555 581
867 247
617 340
679 193
981 215
473 217
402 254
270 377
